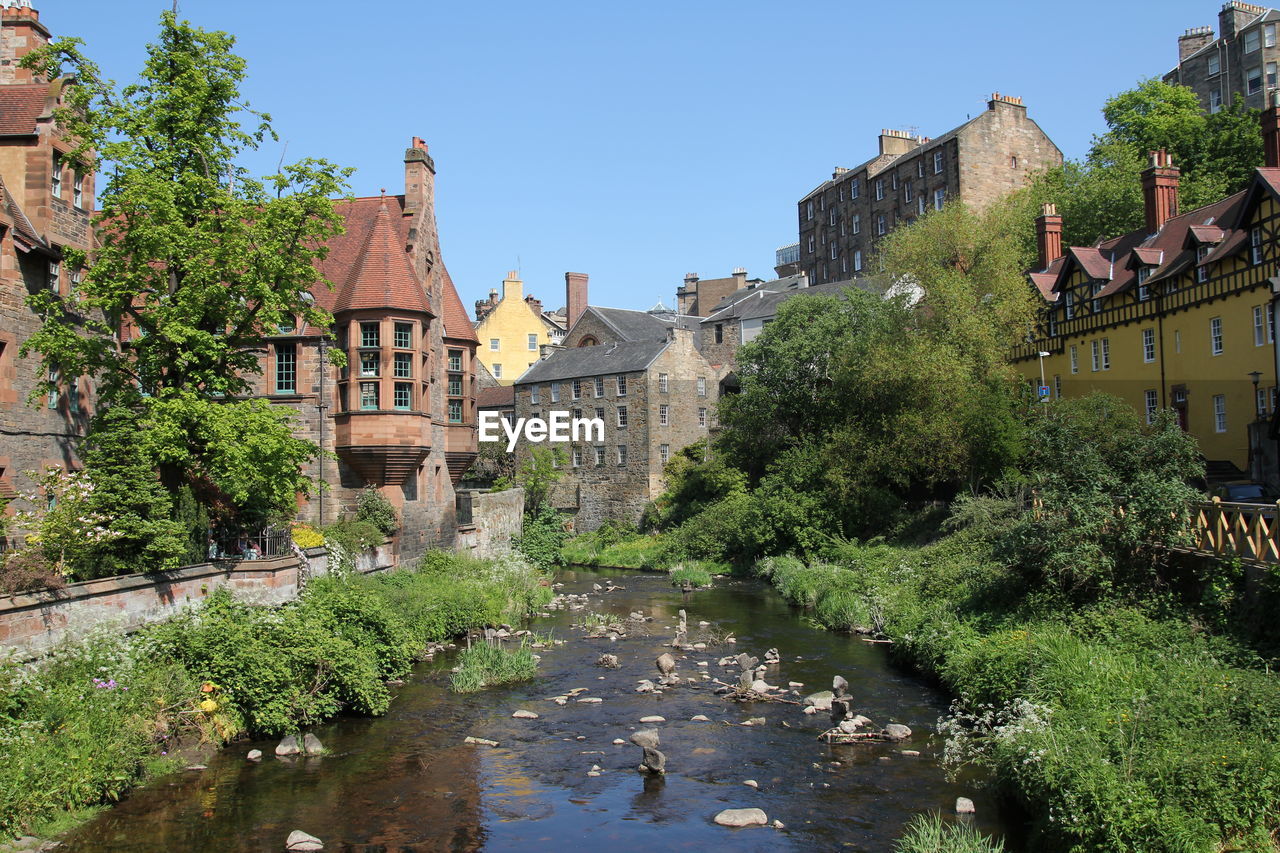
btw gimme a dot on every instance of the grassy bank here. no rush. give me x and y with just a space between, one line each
612 548
1119 726
99 716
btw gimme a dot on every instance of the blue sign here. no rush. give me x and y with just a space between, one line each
1044 393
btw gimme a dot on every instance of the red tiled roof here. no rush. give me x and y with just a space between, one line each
494 398
1206 233
20 106
381 276
22 226
1092 261
457 323
1145 257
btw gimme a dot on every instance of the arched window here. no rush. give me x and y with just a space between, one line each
588 341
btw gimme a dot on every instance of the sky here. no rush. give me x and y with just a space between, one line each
638 142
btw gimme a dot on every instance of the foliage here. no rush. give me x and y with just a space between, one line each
195 259
27 570
694 480
489 664
543 536
374 508
611 548
692 574
1101 196
192 520
346 539
538 473
305 536
493 465
929 833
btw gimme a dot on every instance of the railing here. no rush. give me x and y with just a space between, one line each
265 544
1245 530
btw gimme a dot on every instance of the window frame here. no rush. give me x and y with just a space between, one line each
286 367
1219 413
1216 343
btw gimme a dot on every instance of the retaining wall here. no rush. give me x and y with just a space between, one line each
496 519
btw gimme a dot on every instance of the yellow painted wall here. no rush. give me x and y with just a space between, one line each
1183 339
510 323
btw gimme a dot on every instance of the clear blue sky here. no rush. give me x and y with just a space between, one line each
638 142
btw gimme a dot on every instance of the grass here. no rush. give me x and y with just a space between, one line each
694 573
489 664
610 548
931 834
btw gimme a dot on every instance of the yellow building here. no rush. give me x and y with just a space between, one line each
512 330
1178 314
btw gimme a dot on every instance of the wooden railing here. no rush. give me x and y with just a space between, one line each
1245 530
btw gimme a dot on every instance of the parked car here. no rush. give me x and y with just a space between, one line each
1242 492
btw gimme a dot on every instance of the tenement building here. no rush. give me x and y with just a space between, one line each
641 374
977 163
46 204
1240 60
1178 314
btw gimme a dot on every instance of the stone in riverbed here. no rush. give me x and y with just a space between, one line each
645 686
646 739
618 741
897 732
755 721
699 718
742 817
848 726
311 744
254 755
760 686
298 841
288 746
591 700
839 685
479 741
820 700
610 661
964 805
752 783
653 719
524 715
654 762
666 664
746 679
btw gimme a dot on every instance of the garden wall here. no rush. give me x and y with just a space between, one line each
496 519
33 623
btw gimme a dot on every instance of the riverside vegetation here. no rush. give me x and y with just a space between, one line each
98 716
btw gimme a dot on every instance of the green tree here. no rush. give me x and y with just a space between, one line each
199 259
539 471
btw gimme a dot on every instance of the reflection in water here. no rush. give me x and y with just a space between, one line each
406 782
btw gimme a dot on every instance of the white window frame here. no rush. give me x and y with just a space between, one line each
622 417
1259 327
939 198
600 451
881 225
1149 346
662 382
1096 354
535 394
1215 336
495 345
857 223
702 386
1075 359
599 387
497 370
621 382
1214 65
702 417
533 341
664 453
1253 80
857 260
1219 413
576 456
1215 100
555 392
664 415
1106 353
879 189
937 162
1252 40
1151 404
622 454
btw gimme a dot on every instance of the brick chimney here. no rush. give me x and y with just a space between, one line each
1193 40
575 295
1160 190
534 303
895 142
1048 235
739 278
1271 131
419 178
20 33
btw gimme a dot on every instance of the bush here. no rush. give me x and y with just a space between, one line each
488 665
931 834
543 537
27 570
305 536
373 508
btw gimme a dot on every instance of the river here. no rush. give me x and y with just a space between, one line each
407 782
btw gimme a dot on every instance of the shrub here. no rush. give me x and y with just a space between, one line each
27 570
543 537
374 508
692 574
931 834
305 536
488 664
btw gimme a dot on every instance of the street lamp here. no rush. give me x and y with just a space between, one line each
1255 375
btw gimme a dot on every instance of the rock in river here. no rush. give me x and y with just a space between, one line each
311 744
299 841
820 700
666 664
645 739
288 746
254 755
896 732
742 817
524 715
653 719
964 805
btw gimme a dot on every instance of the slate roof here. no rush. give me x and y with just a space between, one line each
789 282
580 362
764 303
642 325
21 104
457 323
24 231
381 275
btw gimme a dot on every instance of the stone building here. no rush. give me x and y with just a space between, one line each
978 162
513 328
1240 60
46 205
641 374
698 297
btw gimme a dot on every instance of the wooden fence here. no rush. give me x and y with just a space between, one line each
1245 530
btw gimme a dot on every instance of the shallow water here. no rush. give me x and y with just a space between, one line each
406 782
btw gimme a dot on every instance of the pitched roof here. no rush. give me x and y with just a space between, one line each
24 231
763 303
381 276
642 325
21 104
457 323
580 362
497 397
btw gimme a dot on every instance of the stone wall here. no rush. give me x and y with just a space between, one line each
497 518
33 623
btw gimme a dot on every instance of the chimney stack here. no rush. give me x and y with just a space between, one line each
534 303
1271 131
1193 40
512 287
419 178
739 278
1235 15
1049 235
1160 190
575 296
20 33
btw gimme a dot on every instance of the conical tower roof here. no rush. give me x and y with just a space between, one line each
382 276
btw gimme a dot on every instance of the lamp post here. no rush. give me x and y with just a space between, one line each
1254 375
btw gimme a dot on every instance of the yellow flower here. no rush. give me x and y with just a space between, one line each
208 706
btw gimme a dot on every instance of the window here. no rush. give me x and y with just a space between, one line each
1148 345
937 162
494 344
921 205
880 225
1106 353
1075 360
1251 41
286 368
1215 100
55 277
497 371
455 411
455 359
1144 292
1269 35
664 453
1069 304
662 382
810 242
599 456
822 202
1259 327
77 190
1177 340
831 218
1096 353
1057 386
939 198
53 391
1271 75
533 342
1271 326
599 386
702 386
857 223
369 336
622 417
1219 413
455 386
576 389
664 415
854 188
1150 404
599 414
55 181
403 337
1097 303
702 417
835 251
555 392
879 189
403 365
1202 270
1253 80
369 364
577 457
894 180
368 395
403 395
1260 401
73 395
1215 335
77 278
906 192
1013 162
1255 245
1215 64
622 454
535 394
808 210
622 385
857 260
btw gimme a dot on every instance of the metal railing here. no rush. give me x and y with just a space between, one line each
265 544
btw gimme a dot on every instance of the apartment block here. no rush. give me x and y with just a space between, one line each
1240 59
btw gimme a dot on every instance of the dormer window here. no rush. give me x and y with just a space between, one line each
1202 271
1097 303
1144 292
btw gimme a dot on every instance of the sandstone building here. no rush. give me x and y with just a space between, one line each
513 328
978 162
1241 59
